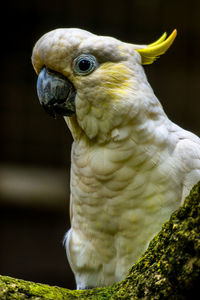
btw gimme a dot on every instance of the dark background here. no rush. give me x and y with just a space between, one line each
35 149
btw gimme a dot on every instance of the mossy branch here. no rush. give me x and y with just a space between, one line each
169 269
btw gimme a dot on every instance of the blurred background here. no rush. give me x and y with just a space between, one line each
35 148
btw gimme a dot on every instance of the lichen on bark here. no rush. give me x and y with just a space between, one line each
169 269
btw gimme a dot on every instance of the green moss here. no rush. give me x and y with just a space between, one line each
11 288
169 269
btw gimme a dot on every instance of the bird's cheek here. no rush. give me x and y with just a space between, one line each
82 106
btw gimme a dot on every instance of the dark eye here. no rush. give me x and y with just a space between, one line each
85 64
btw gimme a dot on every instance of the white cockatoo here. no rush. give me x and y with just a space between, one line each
131 167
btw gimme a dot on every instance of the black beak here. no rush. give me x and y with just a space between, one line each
56 93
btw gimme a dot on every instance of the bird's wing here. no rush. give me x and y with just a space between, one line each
187 152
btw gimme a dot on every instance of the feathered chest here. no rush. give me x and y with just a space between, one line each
120 196
119 177
100 170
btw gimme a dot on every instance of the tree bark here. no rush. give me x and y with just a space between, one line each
169 269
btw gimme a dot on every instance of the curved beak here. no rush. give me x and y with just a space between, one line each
56 93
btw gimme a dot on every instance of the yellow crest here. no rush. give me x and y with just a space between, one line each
159 47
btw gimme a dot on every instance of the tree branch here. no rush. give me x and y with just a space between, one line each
169 269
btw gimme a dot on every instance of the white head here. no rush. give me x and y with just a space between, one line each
105 77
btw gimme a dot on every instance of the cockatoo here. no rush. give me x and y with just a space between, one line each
131 167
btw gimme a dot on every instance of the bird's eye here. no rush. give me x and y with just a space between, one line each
85 64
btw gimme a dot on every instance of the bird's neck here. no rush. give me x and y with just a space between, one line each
74 127
142 134
143 127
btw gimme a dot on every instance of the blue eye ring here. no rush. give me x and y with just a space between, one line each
85 64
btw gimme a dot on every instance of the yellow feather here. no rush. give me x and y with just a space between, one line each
115 80
154 50
160 40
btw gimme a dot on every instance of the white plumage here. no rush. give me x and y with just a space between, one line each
131 166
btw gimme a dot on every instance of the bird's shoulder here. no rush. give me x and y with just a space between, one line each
187 147
186 156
